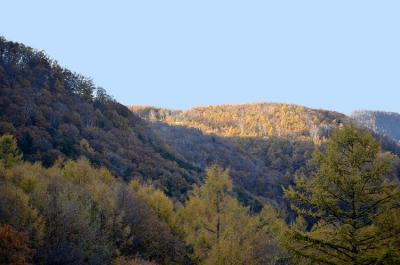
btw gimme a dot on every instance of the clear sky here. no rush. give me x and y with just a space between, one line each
339 55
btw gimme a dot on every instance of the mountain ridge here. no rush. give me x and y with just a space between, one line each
382 122
250 120
359 117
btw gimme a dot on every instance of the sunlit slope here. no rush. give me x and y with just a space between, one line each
252 120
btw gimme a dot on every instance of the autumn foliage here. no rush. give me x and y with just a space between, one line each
251 120
14 247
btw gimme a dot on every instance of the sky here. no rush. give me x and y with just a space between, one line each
336 55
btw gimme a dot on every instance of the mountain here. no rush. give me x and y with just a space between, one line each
55 113
383 123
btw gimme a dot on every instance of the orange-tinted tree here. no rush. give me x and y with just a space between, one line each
14 248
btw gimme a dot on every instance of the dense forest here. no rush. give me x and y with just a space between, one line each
258 167
55 113
264 145
347 212
86 180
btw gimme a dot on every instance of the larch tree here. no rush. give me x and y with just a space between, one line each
348 212
219 229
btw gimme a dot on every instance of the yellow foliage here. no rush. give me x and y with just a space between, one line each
220 230
248 120
157 200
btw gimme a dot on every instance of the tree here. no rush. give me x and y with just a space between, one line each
347 211
9 153
145 234
14 249
157 200
15 210
205 211
220 230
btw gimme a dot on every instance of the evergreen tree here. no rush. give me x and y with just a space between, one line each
348 211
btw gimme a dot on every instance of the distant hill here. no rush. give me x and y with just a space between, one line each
384 123
55 113
252 120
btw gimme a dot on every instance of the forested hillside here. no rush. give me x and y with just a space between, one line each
384 123
252 120
72 213
262 144
55 113
258 166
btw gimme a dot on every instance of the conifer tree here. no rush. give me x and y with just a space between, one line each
219 229
348 212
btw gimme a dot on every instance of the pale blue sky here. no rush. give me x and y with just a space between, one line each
339 55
